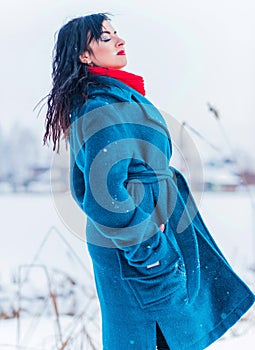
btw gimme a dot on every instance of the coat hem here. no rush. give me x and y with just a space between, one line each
223 326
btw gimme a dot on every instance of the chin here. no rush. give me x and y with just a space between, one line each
119 66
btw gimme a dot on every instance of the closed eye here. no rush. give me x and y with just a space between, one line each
107 37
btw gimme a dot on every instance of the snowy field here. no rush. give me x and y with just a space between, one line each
33 233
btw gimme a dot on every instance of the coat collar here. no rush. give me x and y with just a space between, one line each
123 93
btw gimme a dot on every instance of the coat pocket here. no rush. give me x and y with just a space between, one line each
155 283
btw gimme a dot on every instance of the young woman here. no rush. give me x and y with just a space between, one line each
161 279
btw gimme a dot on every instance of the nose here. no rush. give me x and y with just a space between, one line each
120 42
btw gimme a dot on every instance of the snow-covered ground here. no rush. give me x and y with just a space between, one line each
33 232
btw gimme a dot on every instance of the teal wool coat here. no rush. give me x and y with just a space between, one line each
120 149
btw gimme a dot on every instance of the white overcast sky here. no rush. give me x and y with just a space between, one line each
189 53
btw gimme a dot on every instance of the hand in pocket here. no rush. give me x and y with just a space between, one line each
162 227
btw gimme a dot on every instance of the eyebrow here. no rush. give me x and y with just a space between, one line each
107 32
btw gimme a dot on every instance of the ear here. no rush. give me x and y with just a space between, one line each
85 57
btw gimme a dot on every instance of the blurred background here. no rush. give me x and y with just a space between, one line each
197 59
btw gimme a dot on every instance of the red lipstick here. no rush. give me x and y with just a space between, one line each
121 52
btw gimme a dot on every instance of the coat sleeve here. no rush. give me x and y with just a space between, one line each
107 153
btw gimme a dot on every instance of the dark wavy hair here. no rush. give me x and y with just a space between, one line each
70 77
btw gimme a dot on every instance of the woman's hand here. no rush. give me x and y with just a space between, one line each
157 263
162 227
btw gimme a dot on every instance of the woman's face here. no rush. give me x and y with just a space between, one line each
108 52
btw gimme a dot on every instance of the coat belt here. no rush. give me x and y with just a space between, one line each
150 176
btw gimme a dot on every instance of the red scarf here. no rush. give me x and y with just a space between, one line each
134 81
